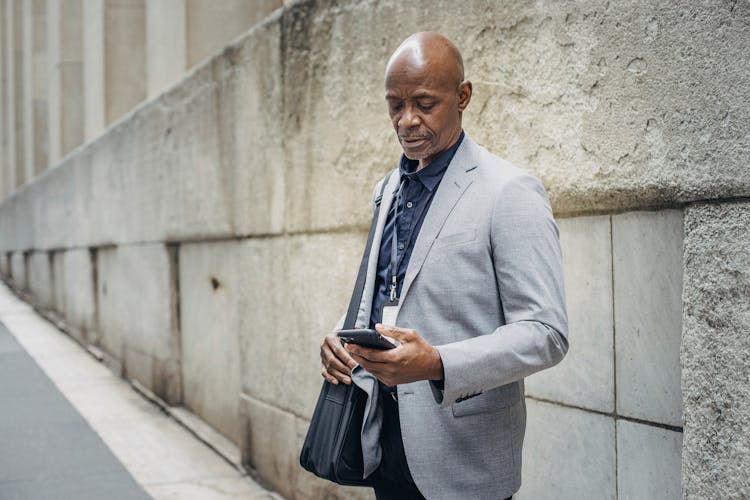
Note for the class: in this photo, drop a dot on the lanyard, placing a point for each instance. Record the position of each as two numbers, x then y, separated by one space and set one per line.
395 260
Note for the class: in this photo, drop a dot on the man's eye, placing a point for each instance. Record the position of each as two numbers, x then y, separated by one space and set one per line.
426 107
396 107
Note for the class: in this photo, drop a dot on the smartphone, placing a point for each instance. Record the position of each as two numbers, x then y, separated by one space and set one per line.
367 338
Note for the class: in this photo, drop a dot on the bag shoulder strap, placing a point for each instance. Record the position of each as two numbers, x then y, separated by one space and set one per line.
359 285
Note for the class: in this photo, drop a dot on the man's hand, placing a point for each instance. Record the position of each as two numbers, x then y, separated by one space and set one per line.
337 363
413 360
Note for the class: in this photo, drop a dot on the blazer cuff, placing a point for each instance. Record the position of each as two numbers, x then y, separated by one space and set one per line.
456 386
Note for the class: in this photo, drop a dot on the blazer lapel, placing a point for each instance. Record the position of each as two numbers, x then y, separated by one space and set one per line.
365 306
451 188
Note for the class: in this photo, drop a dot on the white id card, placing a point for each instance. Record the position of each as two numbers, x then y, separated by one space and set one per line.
389 315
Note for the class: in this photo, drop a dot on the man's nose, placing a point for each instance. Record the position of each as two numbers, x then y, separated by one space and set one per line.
408 118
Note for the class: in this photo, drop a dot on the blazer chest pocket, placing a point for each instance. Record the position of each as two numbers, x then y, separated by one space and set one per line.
454 238
488 401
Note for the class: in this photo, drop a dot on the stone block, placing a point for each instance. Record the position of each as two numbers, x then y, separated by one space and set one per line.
337 88
40 279
293 291
273 455
18 220
56 207
648 461
209 292
250 95
5 264
647 256
163 165
75 292
567 453
18 270
716 315
585 377
136 319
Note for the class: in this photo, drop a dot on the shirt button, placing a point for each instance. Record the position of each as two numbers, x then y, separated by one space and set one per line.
409 204
400 246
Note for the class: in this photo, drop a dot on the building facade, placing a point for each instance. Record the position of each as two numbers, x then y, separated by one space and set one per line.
199 223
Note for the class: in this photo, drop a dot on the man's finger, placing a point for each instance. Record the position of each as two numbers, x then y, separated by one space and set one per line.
330 378
372 355
342 354
335 364
400 334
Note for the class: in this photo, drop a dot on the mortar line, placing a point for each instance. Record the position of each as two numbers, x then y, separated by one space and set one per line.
614 341
612 415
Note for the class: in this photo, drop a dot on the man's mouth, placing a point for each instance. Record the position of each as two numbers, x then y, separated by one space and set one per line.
413 140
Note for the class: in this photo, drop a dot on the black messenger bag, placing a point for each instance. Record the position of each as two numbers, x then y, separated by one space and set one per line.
333 446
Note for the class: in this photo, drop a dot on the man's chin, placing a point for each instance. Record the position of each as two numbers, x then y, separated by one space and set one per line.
415 154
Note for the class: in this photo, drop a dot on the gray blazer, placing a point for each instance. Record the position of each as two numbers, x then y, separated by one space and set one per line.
484 285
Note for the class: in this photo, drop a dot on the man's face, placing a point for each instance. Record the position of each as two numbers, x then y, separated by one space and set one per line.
425 108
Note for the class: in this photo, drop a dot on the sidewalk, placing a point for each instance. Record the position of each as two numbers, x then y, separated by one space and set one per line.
71 429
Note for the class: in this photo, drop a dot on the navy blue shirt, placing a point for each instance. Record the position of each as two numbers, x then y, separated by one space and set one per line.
417 192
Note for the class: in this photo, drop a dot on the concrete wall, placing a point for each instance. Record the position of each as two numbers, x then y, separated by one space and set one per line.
223 220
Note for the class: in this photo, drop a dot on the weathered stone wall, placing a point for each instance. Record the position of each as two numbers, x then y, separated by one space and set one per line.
716 343
210 238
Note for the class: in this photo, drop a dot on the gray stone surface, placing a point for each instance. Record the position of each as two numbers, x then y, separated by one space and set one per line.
209 319
282 326
585 377
250 100
18 269
716 315
40 279
136 315
272 454
605 125
75 295
648 461
647 250
567 453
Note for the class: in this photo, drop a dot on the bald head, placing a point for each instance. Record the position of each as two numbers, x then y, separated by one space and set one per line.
429 51
426 94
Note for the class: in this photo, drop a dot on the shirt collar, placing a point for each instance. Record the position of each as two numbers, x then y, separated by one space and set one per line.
431 175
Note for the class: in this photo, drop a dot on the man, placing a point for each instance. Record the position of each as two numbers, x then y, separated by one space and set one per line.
471 288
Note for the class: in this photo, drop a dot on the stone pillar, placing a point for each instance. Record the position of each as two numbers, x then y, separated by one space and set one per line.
124 56
35 87
166 43
93 68
212 25
65 77
114 60
3 125
14 92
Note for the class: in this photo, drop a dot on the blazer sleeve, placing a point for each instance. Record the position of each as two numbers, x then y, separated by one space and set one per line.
527 262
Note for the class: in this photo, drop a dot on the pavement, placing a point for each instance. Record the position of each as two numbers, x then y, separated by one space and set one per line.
72 429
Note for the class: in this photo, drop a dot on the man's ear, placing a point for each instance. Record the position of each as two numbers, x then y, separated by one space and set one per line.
464 95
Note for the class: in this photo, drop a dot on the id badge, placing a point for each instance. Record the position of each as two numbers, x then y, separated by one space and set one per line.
389 312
